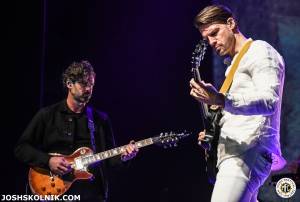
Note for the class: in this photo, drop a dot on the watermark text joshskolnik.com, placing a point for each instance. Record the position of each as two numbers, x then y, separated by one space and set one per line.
17 197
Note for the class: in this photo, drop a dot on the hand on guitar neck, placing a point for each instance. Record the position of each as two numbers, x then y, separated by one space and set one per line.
207 93
130 151
59 165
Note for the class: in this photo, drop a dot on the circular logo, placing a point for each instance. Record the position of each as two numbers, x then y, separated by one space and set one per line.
286 188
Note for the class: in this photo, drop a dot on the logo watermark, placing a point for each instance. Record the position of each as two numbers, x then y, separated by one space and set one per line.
286 188
16 197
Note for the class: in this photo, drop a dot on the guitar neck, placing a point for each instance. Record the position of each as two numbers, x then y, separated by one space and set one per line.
204 109
203 106
116 151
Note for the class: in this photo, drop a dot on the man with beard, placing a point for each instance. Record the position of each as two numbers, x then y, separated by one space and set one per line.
251 105
63 127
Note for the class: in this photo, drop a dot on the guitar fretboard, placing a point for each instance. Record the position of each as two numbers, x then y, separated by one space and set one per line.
87 160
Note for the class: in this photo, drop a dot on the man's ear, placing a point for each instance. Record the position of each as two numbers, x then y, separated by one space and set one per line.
231 23
69 84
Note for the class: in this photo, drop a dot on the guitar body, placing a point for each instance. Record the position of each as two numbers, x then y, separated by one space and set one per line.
43 182
212 129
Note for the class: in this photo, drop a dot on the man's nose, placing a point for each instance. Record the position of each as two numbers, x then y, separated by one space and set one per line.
212 41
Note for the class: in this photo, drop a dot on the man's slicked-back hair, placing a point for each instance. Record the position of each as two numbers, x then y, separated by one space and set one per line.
78 72
213 14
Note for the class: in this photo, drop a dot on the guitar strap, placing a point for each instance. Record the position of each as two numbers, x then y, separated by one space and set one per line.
91 126
227 83
229 78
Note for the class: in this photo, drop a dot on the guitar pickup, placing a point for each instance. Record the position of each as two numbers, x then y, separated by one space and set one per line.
78 164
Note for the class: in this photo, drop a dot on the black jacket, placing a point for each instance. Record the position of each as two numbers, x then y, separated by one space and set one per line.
56 129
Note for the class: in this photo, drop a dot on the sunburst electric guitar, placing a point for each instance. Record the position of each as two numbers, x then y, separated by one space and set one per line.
43 182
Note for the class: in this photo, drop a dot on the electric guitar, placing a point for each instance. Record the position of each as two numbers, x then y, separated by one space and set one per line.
43 182
210 118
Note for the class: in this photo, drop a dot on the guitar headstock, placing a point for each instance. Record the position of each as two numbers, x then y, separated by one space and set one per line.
169 139
198 54
197 57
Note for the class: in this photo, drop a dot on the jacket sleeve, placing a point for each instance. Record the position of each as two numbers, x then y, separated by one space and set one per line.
28 148
267 76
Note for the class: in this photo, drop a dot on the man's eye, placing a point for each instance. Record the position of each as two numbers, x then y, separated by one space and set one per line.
213 33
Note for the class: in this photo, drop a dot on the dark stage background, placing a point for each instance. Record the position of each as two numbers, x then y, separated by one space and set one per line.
141 52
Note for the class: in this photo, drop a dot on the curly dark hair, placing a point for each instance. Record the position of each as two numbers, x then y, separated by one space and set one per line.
78 72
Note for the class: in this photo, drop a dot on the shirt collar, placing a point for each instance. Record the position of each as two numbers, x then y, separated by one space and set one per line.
65 109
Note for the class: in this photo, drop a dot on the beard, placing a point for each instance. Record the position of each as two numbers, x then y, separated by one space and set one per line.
84 98
221 51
